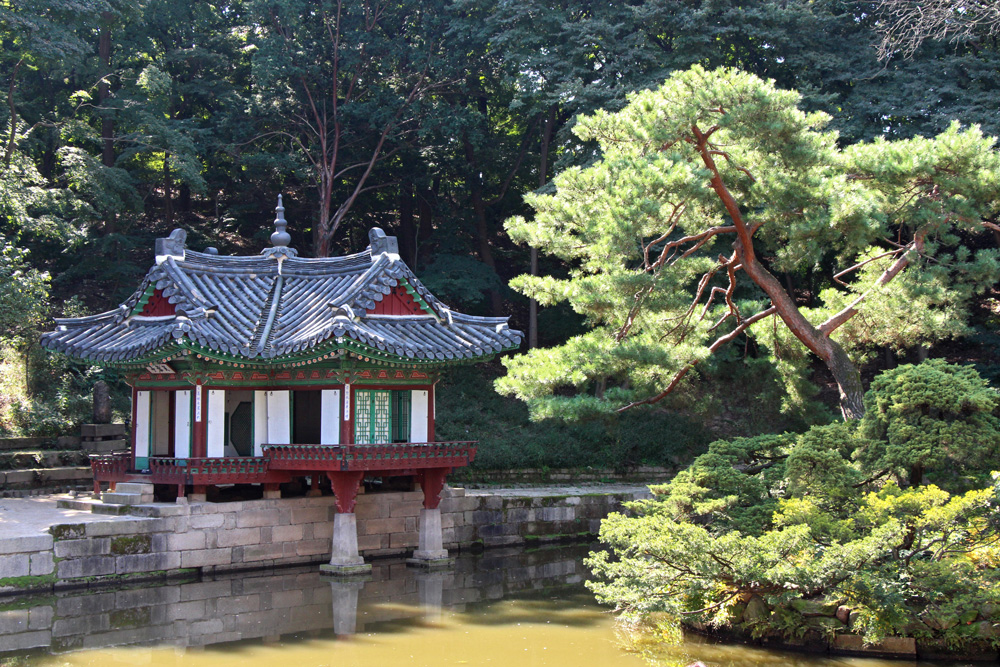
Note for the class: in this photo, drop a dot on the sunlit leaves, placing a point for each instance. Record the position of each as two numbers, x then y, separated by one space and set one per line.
755 525
810 204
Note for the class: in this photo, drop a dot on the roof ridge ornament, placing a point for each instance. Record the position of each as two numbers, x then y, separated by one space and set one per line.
381 244
171 246
280 239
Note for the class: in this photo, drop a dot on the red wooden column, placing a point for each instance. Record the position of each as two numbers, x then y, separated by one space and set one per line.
347 416
432 482
199 443
345 488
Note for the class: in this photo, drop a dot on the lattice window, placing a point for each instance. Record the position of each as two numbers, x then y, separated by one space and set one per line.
362 417
372 416
381 416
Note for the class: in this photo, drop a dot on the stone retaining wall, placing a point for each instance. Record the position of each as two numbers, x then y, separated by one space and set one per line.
639 474
268 605
41 442
213 537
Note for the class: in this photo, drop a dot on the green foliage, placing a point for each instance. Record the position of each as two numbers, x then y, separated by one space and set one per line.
936 417
468 408
24 295
646 230
759 531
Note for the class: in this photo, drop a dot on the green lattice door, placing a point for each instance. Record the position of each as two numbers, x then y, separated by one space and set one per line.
372 416
381 416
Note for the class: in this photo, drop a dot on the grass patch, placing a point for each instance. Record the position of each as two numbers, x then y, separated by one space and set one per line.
27 582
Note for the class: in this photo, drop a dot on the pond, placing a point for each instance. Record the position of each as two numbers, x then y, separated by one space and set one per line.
503 607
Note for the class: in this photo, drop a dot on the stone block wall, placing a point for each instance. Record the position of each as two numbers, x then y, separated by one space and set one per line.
216 537
639 474
268 605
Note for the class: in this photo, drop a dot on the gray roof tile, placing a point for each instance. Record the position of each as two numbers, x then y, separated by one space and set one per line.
223 303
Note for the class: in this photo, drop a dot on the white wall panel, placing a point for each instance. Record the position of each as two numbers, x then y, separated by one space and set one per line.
216 446
418 415
142 426
330 417
259 422
279 419
182 423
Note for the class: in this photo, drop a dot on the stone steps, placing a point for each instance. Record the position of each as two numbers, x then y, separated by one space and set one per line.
104 438
129 493
46 465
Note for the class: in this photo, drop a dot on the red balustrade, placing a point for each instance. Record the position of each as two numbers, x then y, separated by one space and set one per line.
204 471
395 456
110 467
279 460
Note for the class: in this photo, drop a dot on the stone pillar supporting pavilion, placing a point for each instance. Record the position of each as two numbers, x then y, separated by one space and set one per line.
345 559
430 550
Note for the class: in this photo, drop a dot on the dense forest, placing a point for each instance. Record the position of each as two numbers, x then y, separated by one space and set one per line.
431 119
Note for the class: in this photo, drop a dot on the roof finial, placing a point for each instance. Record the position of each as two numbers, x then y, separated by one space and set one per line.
280 237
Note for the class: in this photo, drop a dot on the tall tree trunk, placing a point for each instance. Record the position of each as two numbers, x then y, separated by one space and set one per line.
184 198
11 142
107 121
425 217
543 172
407 228
168 192
848 377
104 91
321 231
475 185
819 343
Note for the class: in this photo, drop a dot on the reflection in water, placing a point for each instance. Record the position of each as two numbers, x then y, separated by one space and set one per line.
502 608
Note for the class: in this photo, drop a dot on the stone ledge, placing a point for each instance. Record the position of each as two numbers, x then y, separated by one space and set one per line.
345 570
890 647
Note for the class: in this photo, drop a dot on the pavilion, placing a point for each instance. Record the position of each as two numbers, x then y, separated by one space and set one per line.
261 369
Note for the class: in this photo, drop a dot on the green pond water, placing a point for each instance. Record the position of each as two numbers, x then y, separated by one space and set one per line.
512 607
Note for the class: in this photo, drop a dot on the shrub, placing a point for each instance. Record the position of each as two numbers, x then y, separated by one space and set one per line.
759 533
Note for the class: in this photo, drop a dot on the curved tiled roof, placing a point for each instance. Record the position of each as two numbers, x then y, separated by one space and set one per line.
277 305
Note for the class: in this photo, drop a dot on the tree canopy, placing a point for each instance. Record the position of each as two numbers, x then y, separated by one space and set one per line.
120 121
703 192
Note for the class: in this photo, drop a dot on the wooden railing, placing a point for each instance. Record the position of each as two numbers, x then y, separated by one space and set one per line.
395 456
197 470
279 460
110 467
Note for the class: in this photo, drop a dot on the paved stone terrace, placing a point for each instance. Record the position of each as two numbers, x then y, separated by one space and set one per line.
30 517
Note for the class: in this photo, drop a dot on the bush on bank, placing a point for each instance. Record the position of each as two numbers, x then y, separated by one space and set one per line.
886 526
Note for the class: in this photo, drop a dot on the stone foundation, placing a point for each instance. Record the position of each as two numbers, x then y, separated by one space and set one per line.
200 537
267 605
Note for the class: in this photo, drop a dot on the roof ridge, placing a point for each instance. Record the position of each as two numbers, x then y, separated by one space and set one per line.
265 326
